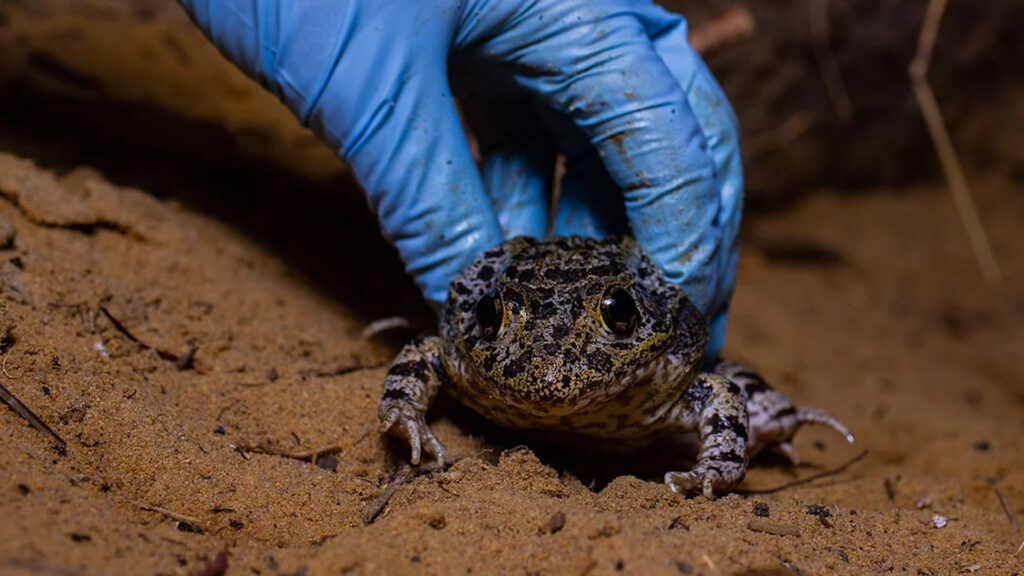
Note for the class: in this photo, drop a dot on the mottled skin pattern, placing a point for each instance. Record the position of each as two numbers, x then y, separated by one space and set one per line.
583 342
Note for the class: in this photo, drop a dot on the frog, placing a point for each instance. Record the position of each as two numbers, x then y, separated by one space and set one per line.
584 342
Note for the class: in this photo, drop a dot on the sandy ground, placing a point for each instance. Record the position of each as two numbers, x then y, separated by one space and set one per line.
198 343
869 306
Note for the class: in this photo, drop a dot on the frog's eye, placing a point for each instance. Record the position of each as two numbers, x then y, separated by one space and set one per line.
489 312
618 309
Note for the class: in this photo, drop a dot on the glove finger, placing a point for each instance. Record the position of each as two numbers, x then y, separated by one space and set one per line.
517 165
589 204
720 127
594 62
518 179
387 110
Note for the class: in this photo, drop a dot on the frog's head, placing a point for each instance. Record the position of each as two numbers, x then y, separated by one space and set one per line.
553 326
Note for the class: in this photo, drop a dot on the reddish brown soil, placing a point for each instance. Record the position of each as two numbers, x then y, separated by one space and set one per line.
868 305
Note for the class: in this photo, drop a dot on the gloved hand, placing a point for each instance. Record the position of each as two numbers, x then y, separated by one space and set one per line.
649 136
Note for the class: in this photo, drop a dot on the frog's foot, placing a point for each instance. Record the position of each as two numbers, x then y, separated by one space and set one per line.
714 407
773 417
403 420
706 479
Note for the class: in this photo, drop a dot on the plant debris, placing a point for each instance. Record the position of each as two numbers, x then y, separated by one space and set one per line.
36 422
403 474
1006 507
182 362
823 474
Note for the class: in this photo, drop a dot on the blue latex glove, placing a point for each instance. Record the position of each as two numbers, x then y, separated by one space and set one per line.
650 137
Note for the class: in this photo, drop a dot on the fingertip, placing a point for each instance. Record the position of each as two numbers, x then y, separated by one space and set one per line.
518 180
589 204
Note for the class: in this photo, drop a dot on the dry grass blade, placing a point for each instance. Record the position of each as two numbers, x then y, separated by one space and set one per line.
1006 507
170 513
734 25
35 421
401 477
944 145
403 474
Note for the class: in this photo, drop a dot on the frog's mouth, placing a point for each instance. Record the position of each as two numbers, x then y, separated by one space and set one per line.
548 389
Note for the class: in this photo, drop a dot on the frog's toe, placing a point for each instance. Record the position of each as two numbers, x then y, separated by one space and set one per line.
389 419
705 482
806 415
433 447
788 452
410 425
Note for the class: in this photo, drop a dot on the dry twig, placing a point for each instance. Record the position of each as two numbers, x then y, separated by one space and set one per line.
403 474
944 145
834 84
1006 507
811 478
780 138
735 25
304 455
170 514
181 361
36 422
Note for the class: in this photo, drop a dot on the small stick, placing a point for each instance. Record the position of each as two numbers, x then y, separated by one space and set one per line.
341 370
834 85
306 455
170 513
36 422
181 361
400 477
1006 507
890 488
1019 548
312 455
735 25
944 145
811 478
404 473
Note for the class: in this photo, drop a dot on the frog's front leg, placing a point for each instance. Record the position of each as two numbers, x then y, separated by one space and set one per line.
773 419
716 409
409 390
